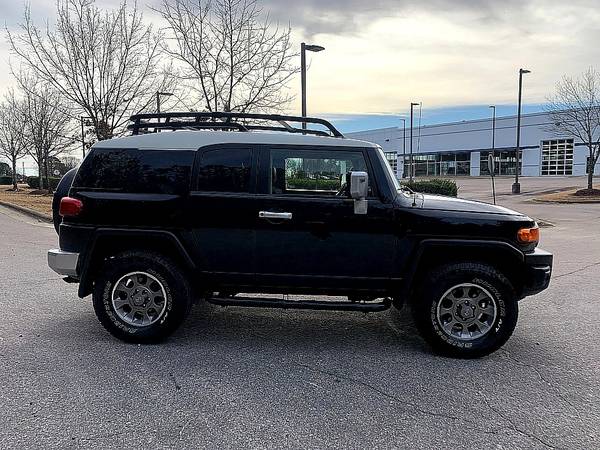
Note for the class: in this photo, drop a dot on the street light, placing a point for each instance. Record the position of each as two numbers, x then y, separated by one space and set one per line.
83 124
158 94
516 187
403 147
303 49
491 160
411 142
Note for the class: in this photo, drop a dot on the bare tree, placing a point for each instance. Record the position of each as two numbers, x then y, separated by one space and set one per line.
574 110
105 62
229 54
69 162
12 139
49 128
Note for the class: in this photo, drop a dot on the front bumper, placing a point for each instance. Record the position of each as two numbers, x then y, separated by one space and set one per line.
63 263
539 270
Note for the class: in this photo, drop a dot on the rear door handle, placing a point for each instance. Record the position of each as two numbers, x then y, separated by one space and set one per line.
275 215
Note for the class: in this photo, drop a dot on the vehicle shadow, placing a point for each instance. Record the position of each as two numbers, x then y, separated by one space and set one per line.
236 328
273 342
301 330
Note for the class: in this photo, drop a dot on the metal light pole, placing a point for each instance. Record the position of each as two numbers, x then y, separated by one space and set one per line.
516 187
158 94
83 118
303 49
403 147
410 159
492 161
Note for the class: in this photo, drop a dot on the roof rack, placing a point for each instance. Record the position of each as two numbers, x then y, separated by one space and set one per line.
229 121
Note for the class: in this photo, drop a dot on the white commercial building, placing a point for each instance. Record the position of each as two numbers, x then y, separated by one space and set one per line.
462 148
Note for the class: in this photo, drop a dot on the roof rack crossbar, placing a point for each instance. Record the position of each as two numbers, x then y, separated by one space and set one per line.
233 126
190 125
208 120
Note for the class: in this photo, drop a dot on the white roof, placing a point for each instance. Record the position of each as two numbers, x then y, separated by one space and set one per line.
186 139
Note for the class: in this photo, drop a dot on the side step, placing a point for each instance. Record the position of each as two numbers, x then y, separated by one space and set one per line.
258 302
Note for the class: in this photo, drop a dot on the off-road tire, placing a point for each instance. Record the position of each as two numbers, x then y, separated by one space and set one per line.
437 282
178 296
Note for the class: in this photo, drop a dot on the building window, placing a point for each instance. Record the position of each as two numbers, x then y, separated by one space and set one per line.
392 159
557 157
440 164
505 163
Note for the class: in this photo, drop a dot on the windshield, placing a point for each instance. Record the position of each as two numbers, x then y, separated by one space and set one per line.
389 172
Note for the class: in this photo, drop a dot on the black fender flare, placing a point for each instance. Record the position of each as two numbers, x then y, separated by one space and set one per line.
427 245
88 260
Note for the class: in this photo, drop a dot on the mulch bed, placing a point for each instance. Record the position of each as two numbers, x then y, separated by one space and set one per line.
38 200
587 193
571 196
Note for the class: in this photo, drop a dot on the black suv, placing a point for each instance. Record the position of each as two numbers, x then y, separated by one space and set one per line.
210 205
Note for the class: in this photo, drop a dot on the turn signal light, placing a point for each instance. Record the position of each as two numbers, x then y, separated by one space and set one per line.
70 207
529 235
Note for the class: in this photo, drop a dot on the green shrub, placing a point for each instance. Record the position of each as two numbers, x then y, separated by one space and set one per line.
313 184
5 180
34 182
439 186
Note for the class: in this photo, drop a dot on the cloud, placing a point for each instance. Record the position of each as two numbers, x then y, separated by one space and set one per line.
351 16
382 54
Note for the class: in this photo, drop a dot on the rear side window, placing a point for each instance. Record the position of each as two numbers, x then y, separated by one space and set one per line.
225 170
136 171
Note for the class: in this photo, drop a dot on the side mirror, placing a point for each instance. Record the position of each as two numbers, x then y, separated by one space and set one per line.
359 188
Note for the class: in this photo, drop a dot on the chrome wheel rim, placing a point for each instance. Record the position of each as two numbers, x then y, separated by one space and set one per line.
466 312
139 299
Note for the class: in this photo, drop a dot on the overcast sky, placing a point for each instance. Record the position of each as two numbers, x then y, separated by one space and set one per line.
455 56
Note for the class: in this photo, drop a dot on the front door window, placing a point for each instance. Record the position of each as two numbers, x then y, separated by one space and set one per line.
313 173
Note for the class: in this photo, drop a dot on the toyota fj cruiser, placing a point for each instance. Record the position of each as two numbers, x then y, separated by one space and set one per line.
230 203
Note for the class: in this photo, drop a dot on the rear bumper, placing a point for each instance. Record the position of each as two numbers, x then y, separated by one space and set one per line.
62 262
539 270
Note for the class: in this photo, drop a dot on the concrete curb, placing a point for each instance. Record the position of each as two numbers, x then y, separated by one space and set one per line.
30 212
566 202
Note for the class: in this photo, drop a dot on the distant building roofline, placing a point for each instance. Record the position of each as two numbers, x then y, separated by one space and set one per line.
458 122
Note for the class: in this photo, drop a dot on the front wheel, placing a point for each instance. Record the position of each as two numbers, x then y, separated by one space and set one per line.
141 297
466 310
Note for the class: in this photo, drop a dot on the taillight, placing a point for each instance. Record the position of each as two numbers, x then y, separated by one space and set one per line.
529 235
70 207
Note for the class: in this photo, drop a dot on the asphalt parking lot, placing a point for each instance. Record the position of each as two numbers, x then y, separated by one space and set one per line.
267 378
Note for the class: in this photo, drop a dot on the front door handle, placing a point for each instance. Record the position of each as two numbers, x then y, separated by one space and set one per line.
275 215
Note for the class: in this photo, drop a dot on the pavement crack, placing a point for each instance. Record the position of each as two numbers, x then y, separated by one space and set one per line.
512 425
175 383
386 394
543 379
581 269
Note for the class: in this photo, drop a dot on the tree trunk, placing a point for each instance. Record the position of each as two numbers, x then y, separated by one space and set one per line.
41 175
591 169
47 175
14 168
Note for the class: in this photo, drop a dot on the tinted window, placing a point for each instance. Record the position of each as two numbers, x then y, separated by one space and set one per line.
138 171
312 172
225 170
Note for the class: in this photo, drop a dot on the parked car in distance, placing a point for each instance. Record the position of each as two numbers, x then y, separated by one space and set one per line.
204 206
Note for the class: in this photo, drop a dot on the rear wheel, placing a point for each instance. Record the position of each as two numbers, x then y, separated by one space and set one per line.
466 310
141 297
